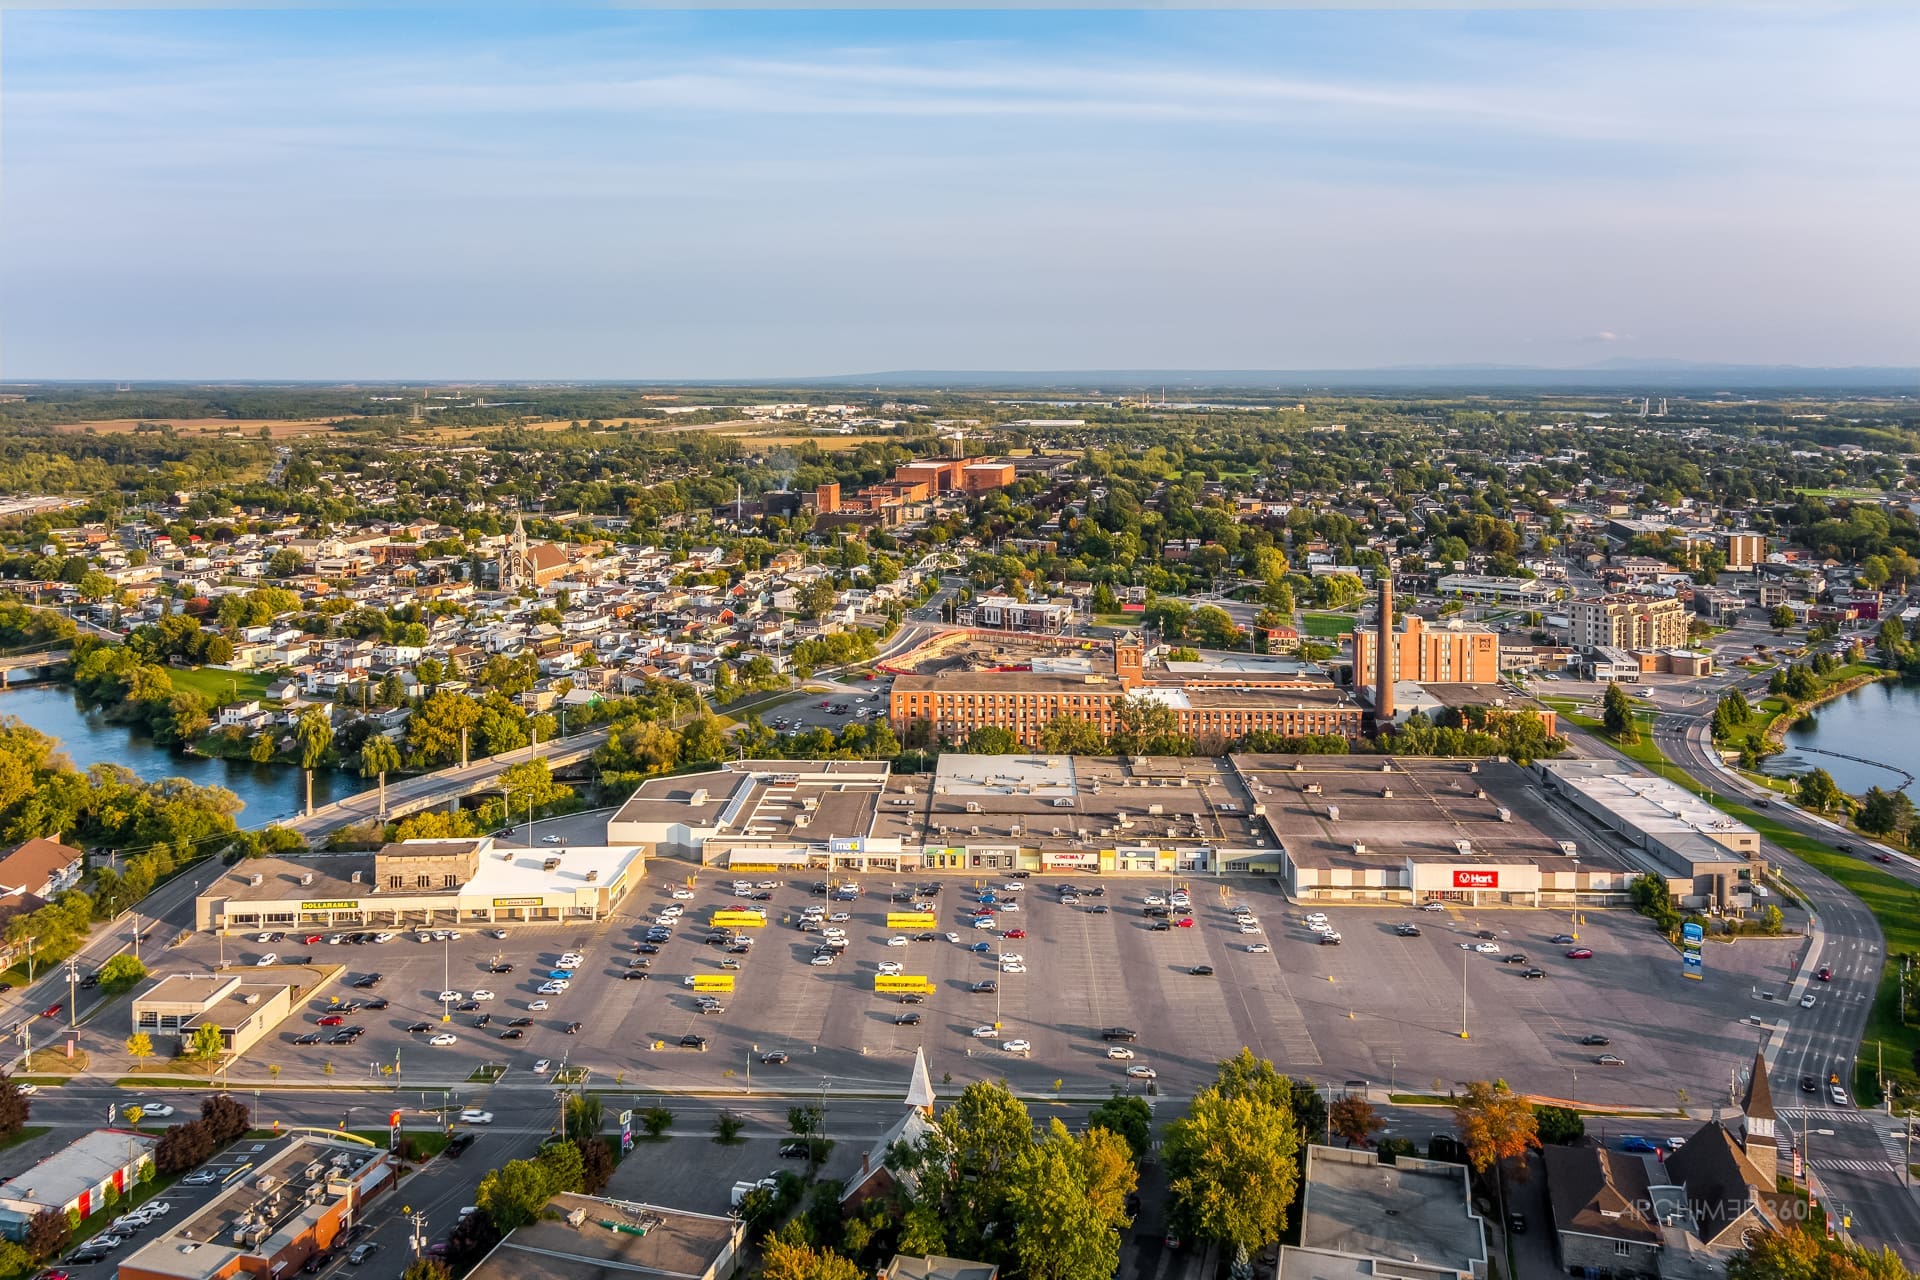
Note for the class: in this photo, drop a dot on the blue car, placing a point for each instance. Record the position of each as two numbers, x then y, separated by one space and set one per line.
981 947
561 973
1636 1143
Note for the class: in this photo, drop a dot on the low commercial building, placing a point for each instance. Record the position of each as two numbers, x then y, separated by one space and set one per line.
423 882
1409 1220
180 1004
765 815
589 1238
76 1178
299 1197
932 1267
1529 591
1710 861
1415 830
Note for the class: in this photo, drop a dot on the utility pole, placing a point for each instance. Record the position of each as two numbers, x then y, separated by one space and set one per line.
73 978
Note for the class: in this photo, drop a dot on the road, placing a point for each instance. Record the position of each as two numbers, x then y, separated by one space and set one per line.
1857 1162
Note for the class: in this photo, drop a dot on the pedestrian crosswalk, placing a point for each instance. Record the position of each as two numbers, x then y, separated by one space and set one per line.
1853 1166
1823 1115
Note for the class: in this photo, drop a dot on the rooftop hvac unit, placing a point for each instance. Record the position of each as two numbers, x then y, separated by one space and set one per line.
1465 847
1386 793
1569 848
267 1183
699 796
1506 815
1473 766
256 879
357 876
306 877
1299 766
1479 793
1056 831
1154 810
593 876
1312 789
1333 813
1359 846
1386 768
1015 829
973 831
802 820
973 806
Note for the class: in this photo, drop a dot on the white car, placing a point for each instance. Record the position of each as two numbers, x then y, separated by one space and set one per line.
1012 957
537 1006
1012 886
1433 906
1009 906
1251 929
450 997
684 895
821 962
688 981
984 922
831 932
484 994
1156 900
383 937
839 917
1806 1001
263 937
985 1033
1258 948
899 940
541 1067
1015 967
156 1209
1119 1052
1487 948
1018 1046
28 1090
160 1109
267 959
892 967
953 937
572 960
1143 1073
444 1038
549 839
553 987
474 1115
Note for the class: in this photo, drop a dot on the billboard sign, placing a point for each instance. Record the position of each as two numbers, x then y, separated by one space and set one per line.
739 920
626 1131
1691 964
1476 879
901 983
1692 934
911 919
713 982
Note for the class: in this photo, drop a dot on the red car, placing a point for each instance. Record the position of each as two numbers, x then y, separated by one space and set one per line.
1580 953
51 1011
1015 933
1184 922
312 938
1883 857
1825 975
333 1020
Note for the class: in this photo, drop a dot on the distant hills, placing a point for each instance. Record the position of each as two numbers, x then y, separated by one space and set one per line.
1622 375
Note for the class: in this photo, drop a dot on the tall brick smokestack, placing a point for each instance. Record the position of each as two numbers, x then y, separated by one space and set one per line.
1383 666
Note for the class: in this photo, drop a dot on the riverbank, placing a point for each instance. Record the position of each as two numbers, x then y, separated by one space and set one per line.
1775 732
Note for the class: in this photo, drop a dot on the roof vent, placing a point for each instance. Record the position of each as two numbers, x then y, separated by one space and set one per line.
256 879
357 877
306 877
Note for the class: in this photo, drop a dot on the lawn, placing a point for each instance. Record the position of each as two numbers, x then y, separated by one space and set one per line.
26 1134
221 687
1326 624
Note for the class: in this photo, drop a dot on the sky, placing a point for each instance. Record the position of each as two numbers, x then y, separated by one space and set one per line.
606 193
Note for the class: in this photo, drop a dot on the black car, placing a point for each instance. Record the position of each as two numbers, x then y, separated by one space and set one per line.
573 1028
906 1020
926 937
1533 973
421 1026
89 982
1809 1085
985 987
1407 930
634 975
818 888
312 1265
312 1037
795 1150
367 982
719 939
467 1006
777 1058
1486 935
1158 926
1517 957
1158 913
1201 971
694 1042
913 997
1098 909
512 1033
760 897
1595 1039
1563 940
375 1006
1127 1034
1516 1223
926 890
341 1038
484 1020
520 1022
500 968
461 1141
647 949
740 948
1096 891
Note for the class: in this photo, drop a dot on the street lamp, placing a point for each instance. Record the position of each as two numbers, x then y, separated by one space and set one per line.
1575 912
73 977
446 977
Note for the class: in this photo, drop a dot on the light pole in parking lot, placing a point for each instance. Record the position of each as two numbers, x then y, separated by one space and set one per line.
1466 959
446 977
1575 913
73 977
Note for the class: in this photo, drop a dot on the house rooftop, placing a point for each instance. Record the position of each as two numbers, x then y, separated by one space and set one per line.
588 1238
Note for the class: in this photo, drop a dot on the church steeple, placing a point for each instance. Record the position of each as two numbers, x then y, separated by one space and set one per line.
920 1089
1757 1135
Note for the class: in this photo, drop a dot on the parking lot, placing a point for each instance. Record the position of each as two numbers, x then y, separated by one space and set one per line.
1379 1006
833 710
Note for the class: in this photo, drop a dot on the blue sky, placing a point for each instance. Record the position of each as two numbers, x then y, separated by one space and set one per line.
639 193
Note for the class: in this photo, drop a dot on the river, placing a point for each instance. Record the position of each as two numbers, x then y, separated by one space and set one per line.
1878 722
271 792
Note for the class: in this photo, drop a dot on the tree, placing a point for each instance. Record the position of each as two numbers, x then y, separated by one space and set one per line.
1885 812
1803 1255
206 1044
16 1108
784 1258
284 564
596 1165
15 1262
1129 1116
121 973
47 1234
817 598
562 1166
514 1194
313 733
378 758
182 1147
1781 618
1065 1229
1232 1168
1617 715
1561 1126
702 740
1072 736
139 1046
428 1269
655 1121
727 1127
1354 1119
226 1118
1497 1125
584 1115
992 740
1817 790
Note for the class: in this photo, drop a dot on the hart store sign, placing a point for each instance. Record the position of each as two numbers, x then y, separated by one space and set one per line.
1476 879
